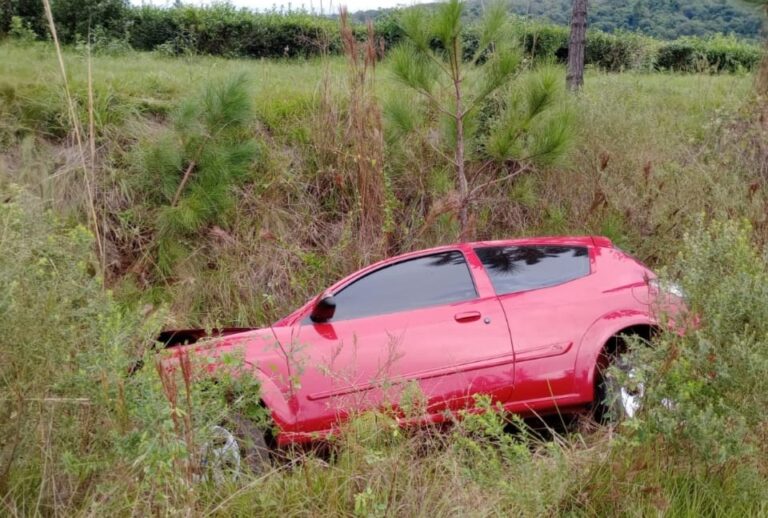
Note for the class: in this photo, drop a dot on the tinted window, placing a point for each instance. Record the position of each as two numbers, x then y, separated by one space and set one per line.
415 283
521 268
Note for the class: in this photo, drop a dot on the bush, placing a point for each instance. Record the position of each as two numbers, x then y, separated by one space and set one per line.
78 18
619 51
698 444
188 174
65 344
77 417
224 30
21 31
708 388
717 54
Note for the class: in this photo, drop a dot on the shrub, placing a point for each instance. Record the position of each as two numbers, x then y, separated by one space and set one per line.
224 30
543 41
21 31
619 51
707 388
80 17
65 344
77 416
698 444
717 54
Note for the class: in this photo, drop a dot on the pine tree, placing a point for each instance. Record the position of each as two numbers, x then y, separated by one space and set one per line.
455 77
194 167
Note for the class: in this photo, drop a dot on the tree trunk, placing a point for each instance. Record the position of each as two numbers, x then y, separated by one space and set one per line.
574 78
461 176
761 77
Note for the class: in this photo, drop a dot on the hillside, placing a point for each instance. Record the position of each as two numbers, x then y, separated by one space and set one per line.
663 19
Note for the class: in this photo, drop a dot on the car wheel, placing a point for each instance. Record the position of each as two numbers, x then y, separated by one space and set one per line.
619 394
236 446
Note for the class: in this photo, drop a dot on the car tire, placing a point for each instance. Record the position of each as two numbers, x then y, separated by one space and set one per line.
618 396
252 439
235 446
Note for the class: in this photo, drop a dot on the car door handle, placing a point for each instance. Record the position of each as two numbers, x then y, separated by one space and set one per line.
467 316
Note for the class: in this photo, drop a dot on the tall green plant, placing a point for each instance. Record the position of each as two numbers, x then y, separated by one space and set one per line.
456 79
193 169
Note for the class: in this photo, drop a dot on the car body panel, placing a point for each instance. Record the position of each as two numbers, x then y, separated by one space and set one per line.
532 351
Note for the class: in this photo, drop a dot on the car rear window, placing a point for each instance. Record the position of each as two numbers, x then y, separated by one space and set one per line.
521 268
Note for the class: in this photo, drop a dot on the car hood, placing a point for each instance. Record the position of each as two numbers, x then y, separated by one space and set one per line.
264 349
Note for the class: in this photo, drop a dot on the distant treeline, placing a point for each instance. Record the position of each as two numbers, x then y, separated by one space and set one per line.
224 30
663 19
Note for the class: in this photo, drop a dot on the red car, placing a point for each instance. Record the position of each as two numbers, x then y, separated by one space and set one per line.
528 322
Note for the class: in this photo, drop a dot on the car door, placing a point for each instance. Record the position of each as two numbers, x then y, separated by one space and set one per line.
417 330
548 295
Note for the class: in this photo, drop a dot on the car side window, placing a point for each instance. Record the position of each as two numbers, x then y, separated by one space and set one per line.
431 280
520 268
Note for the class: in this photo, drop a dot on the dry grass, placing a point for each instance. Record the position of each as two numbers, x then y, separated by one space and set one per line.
88 165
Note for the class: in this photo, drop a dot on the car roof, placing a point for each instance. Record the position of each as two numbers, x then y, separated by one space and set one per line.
537 240
540 240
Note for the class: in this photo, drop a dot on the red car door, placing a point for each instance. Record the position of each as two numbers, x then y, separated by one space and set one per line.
418 323
550 299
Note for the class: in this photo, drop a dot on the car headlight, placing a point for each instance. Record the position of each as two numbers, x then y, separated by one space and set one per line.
672 288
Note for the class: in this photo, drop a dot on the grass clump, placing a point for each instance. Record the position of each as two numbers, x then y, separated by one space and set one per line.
77 420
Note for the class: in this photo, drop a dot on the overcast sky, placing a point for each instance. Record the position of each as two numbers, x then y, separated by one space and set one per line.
327 5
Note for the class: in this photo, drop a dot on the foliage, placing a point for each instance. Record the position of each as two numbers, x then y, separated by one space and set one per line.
224 30
662 19
81 17
699 442
710 378
653 151
21 31
717 54
77 416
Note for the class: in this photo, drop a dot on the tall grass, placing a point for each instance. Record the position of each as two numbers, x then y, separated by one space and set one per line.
88 172
79 435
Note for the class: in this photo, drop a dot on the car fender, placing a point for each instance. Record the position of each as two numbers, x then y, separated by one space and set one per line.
595 338
283 408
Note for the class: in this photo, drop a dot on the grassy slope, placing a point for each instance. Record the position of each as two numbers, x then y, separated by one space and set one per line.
643 162
652 152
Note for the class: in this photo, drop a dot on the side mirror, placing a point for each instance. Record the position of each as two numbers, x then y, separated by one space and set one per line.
323 310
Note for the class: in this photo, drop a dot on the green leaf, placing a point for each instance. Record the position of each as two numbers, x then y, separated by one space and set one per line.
542 91
400 115
498 70
493 27
552 139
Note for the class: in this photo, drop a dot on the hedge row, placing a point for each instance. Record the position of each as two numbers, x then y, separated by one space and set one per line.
631 51
224 30
228 31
